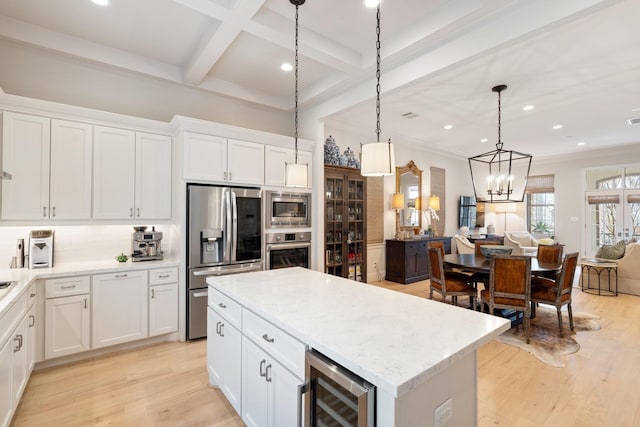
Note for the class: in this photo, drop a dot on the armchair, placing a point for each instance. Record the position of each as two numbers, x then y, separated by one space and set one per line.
522 242
463 245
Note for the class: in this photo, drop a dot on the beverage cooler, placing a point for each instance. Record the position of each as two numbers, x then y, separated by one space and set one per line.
335 396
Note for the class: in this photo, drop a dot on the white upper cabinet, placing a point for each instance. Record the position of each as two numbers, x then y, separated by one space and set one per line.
153 176
275 159
216 159
205 157
71 155
50 161
131 175
25 155
113 173
245 162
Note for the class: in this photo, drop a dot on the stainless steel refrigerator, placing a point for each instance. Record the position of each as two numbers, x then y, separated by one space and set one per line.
224 237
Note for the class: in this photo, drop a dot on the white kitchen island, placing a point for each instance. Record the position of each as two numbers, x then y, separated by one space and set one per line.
417 352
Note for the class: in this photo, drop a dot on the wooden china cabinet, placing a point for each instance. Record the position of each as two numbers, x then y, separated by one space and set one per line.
344 223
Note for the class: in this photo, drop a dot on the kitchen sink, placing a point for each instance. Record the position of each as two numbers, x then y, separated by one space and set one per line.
4 285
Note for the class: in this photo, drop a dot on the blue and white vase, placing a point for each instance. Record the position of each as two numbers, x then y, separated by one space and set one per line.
331 152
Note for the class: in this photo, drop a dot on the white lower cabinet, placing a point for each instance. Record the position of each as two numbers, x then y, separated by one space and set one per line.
163 309
269 390
20 369
67 316
224 364
119 308
6 359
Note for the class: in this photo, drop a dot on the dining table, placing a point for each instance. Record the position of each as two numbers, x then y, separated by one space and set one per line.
480 264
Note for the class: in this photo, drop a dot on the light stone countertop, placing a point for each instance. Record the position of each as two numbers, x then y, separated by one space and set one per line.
24 276
394 340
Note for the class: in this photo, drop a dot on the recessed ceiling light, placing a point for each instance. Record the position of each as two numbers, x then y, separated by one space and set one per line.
528 107
581 143
371 3
286 67
447 127
101 2
556 127
484 140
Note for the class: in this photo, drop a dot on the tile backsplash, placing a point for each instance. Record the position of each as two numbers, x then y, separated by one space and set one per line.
83 243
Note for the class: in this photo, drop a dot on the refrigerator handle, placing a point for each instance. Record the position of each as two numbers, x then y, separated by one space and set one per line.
234 229
228 235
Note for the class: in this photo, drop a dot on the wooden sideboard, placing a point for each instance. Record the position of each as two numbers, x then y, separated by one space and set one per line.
407 261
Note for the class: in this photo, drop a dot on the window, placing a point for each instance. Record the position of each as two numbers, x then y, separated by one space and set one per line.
541 205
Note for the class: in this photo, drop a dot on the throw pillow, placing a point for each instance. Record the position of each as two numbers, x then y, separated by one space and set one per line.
546 241
612 251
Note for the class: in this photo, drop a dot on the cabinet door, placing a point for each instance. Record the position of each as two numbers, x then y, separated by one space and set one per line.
163 309
20 363
255 407
113 173
245 162
224 357
71 157
283 396
204 157
25 155
67 325
119 311
30 341
6 357
153 176
274 164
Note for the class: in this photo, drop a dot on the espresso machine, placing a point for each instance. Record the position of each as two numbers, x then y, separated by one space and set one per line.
41 249
145 245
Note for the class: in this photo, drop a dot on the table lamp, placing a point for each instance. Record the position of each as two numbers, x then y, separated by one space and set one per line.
397 203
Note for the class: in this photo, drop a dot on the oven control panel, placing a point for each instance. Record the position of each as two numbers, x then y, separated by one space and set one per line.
304 236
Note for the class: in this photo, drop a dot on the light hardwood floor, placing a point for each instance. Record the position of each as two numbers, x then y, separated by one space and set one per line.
166 384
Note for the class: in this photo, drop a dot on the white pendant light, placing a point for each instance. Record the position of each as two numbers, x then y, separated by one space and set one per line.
296 174
378 158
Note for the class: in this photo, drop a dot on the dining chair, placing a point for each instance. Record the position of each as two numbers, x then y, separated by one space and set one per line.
479 243
448 283
551 254
556 291
439 244
509 286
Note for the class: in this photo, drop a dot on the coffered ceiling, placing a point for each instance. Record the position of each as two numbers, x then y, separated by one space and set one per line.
576 61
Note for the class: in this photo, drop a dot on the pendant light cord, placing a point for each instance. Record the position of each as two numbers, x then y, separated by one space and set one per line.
295 133
378 74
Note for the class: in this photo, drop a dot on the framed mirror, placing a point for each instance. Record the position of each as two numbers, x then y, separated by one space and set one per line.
409 183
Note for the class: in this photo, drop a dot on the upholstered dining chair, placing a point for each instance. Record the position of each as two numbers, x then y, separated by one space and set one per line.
448 283
479 243
556 292
463 245
550 254
509 286
439 244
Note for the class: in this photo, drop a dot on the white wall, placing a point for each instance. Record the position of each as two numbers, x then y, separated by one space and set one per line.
35 73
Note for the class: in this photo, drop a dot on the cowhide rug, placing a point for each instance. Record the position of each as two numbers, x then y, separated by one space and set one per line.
546 343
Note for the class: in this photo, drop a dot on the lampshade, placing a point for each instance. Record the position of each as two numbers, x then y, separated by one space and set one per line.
500 176
295 175
398 201
378 158
434 203
418 203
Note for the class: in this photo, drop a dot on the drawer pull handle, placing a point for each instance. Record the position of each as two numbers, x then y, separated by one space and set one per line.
163 276
68 287
85 303
222 329
121 275
218 328
267 373
153 293
32 294
32 320
267 338
262 364
221 305
18 346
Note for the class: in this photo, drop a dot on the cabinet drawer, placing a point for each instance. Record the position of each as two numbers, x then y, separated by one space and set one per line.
226 307
67 286
163 276
282 346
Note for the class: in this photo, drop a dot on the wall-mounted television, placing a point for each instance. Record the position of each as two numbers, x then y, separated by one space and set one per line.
470 213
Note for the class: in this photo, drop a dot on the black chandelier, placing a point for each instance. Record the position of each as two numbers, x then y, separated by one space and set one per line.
500 176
